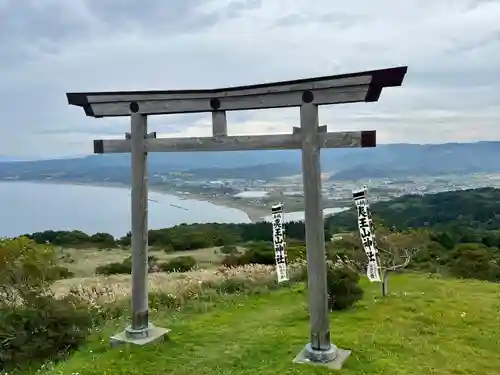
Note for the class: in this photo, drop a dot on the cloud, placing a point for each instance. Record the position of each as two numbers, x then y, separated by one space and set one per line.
51 47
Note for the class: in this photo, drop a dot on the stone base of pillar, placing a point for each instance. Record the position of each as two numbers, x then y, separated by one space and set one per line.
139 337
333 358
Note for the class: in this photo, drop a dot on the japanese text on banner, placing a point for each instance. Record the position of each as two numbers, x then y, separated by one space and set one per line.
365 226
279 243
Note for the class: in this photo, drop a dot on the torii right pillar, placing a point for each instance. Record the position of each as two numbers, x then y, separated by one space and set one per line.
319 350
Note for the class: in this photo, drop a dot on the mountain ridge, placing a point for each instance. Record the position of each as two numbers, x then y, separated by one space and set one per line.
384 161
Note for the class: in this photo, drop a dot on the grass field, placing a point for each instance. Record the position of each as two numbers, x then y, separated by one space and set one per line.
83 262
427 325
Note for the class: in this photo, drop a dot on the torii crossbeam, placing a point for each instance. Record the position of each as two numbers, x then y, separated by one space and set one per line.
307 94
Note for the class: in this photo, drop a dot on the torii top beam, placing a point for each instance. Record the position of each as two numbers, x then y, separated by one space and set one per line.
344 88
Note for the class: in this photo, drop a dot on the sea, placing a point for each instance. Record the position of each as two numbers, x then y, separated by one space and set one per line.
27 207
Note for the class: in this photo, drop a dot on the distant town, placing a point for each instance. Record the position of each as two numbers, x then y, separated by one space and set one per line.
336 194
256 192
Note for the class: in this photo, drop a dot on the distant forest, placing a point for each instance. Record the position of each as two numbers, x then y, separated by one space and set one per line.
472 209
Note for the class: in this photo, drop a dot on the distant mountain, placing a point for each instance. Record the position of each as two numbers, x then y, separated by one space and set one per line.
5 159
9 159
253 172
422 160
394 160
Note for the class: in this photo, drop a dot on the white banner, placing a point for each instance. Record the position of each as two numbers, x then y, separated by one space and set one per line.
279 242
366 232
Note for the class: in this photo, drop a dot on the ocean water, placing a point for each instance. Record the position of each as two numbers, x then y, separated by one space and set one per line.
27 207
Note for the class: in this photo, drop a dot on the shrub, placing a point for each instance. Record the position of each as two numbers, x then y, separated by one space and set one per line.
343 287
102 238
179 264
44 328
74 237
25 268
260 245
167 248
262 253
125 240
124 267
61 272
250 256
474 261
259 256
114 268
295 251
259 252
232 260
228 249
34 326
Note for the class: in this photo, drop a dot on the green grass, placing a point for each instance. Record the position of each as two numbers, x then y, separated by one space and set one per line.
427 326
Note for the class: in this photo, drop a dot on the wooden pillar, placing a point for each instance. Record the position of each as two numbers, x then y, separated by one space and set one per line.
315 238
139 224
219 124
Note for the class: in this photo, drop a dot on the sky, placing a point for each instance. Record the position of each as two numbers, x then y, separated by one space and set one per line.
49 47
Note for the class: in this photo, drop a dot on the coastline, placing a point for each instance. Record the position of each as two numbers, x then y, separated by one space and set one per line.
254 214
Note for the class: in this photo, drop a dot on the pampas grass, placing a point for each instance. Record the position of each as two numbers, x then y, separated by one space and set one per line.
103 290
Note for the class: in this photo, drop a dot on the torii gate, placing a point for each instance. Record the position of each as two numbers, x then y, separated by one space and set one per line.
307 94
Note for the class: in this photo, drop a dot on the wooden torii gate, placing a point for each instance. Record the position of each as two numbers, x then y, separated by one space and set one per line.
307 94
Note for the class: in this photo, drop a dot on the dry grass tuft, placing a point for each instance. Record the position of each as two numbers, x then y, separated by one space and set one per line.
103 290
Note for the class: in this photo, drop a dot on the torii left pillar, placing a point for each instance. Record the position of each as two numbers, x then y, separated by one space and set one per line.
141 331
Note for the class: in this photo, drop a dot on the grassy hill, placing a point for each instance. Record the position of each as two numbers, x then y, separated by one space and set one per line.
428 325
228 321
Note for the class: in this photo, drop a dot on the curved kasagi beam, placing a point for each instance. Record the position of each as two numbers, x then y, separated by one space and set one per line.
344 88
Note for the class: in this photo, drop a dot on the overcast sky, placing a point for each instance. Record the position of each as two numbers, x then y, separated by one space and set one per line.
49 47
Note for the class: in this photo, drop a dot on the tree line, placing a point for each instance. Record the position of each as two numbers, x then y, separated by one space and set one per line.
457 216
178 238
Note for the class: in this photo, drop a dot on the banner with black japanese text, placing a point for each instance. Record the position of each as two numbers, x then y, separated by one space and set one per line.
279 242
367 235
